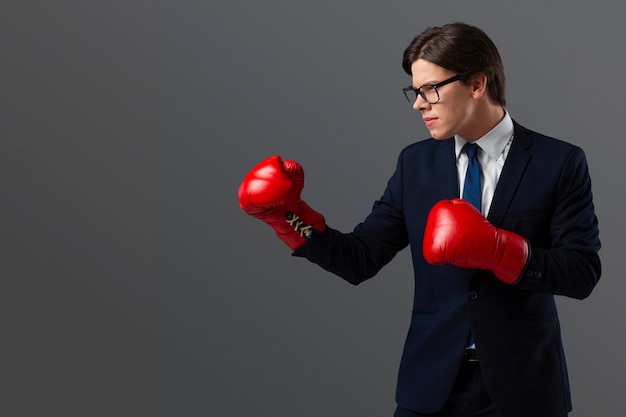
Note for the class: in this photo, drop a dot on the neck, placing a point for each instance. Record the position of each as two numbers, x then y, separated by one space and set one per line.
491 115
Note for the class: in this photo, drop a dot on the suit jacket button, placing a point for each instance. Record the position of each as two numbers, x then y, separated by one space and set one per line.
473 295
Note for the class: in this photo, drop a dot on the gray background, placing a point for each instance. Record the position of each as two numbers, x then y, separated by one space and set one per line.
131 282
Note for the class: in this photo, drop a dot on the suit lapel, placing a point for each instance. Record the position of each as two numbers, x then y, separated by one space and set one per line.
512 173
446 177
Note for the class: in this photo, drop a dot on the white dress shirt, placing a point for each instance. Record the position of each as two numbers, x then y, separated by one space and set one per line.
493 150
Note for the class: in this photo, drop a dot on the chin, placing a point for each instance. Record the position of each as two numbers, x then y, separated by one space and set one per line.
439 136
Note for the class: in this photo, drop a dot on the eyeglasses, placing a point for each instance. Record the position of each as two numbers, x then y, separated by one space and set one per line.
429 93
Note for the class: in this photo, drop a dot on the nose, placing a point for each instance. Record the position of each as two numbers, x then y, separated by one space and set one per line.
420 103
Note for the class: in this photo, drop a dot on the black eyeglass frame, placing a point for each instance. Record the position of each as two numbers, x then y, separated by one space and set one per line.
433 86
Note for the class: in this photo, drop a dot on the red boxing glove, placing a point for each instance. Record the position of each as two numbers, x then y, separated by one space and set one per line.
456 233
271 192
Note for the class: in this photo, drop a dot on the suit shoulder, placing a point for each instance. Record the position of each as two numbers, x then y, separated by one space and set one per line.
425 147
543 141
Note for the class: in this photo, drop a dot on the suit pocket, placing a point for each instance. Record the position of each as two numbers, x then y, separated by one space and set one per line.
536 318
532 224
524 213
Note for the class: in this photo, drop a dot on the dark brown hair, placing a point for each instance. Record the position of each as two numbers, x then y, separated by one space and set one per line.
461 48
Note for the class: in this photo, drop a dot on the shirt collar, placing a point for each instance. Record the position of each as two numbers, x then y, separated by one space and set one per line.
493 142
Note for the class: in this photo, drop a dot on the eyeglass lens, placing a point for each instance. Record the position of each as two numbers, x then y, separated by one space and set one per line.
429 93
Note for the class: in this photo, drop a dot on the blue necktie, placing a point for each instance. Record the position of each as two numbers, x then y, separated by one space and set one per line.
471 190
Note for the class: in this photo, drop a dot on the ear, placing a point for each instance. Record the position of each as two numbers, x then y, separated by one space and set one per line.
479 85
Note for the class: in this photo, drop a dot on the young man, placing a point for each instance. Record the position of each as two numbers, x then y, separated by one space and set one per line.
484 337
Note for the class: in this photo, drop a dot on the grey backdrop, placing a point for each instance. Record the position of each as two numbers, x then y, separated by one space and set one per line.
131 282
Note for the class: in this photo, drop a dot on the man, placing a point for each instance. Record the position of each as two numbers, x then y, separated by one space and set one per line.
484 337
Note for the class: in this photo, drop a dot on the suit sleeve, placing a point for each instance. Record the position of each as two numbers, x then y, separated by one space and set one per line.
359 255
570 265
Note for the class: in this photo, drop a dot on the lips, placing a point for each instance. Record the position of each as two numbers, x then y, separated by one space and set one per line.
429 121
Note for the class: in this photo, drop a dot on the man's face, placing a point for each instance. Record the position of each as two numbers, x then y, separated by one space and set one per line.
454 112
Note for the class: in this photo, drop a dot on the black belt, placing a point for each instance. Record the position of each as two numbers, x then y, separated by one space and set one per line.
470 355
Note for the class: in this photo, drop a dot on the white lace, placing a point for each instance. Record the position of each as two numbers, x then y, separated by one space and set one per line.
298 225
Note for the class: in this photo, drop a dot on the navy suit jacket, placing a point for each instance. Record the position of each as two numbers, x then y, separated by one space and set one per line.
544 194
